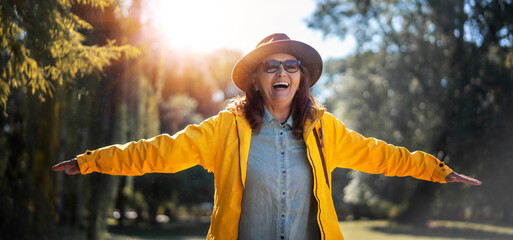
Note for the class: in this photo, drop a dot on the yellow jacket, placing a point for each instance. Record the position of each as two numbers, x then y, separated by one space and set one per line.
221 144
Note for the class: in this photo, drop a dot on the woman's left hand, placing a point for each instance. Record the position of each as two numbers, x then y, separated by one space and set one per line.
455 177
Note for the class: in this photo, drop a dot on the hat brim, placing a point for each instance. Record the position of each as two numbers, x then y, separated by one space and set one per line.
308 56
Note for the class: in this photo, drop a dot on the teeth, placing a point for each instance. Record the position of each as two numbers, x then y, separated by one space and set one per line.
281 84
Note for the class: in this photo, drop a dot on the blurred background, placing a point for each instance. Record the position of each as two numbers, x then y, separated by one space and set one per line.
424 74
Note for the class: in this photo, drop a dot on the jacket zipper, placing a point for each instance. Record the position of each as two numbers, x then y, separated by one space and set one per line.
319 147
323 235
238 138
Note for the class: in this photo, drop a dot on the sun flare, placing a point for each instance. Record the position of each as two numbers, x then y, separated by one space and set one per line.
190 25
206 25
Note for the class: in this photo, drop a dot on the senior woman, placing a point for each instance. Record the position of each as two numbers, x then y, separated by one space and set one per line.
272 152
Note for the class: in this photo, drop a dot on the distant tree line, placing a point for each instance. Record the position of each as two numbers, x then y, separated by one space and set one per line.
429 75
79 75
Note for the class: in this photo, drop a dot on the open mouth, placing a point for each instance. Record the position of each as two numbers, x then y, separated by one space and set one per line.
280 85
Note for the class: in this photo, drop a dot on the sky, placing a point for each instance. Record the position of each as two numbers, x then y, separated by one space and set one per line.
206 25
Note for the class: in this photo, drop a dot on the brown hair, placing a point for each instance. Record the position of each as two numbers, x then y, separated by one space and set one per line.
303 103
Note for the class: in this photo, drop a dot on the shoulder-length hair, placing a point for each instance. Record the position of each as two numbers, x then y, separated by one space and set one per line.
303 104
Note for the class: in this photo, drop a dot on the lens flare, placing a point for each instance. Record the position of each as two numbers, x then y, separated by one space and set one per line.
190 25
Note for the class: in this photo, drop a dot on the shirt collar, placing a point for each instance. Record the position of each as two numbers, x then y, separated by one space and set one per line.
269 117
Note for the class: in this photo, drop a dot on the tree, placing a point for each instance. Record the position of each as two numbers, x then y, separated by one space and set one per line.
45 98
443 66
42 47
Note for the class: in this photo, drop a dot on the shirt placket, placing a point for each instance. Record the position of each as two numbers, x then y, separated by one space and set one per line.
283 180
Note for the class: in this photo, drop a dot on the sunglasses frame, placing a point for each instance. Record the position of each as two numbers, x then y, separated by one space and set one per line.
282 63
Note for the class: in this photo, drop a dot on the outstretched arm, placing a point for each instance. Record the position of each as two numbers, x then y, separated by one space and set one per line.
195 145
354 151
70 167
455 177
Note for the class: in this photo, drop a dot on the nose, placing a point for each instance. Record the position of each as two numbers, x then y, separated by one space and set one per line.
281 71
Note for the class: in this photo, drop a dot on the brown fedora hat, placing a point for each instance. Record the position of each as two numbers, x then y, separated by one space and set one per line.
272 44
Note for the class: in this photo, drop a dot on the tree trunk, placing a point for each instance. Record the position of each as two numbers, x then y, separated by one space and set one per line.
104 188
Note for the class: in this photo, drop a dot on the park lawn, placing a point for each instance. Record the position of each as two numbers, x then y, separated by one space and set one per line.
355 230
437 230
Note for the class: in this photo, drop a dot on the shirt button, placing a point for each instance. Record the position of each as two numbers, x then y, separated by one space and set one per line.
282 153
281 133
282 215
283 171
283 193
282 237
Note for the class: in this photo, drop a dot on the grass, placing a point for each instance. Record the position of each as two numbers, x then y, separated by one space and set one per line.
437 230
352 230
171 231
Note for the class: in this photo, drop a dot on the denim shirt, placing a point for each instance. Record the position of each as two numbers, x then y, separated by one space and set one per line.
278 202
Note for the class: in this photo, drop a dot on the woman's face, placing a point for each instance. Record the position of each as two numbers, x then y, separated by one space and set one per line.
278 88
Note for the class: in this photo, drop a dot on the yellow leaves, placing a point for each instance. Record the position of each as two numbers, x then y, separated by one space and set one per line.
81 23
56 56
95 3
130 51
4 93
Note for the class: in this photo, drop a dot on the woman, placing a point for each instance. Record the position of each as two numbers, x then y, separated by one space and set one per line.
271 152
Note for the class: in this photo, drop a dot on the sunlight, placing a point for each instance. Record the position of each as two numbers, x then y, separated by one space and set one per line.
190 25
203 26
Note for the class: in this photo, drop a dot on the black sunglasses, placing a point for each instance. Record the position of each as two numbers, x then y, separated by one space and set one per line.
272 66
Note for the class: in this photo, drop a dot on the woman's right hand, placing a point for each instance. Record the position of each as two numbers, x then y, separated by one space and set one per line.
70 167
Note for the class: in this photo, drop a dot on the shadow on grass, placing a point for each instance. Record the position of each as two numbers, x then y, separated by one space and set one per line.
179 230
450 229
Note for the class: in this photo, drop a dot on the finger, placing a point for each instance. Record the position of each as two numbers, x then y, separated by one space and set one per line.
65 165
467 180
72 171
456 177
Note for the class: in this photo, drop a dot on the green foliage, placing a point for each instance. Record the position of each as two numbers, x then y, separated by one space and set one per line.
44 65
62 92
430 75
42 47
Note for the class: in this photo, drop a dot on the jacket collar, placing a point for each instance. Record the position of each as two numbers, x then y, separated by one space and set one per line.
309 124
317 112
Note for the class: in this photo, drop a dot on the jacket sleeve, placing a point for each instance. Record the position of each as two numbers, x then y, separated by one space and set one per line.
195 145
370 155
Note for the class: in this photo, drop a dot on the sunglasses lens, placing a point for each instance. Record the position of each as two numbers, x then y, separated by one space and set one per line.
291 66
271 66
